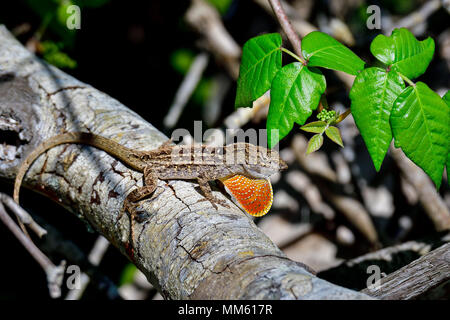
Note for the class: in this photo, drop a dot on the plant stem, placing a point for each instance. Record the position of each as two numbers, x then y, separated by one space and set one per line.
406 79
289 52
343 116
43 27
287 27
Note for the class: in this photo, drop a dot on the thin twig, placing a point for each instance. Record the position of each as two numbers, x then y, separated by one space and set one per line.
54 243
416 18
317 164
303 28
23 216
430 199
95 257
299 23
206 20
54 273
213 105
186 89
287 27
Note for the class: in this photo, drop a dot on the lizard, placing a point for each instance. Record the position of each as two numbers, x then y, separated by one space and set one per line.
230 164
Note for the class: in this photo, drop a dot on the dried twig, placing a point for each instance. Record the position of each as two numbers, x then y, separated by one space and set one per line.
23 216
186 89
54 273
213 105
303 184
355 212
430 199
317 164
205 19
95 257
282 232
54 243
139 288
417 17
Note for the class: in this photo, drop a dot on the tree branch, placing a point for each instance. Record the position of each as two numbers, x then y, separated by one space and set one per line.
419 278
185 247
389 260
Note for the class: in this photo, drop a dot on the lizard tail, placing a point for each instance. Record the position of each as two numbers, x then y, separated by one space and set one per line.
113 148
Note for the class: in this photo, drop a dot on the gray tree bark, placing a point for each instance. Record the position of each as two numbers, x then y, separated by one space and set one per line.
185 247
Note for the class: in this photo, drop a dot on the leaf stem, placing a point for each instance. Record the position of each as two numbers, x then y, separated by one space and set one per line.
405 78
289 52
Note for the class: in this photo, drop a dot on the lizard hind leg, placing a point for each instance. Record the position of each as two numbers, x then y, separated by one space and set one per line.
129 205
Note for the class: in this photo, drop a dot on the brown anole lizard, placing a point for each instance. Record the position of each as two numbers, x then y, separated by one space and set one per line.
185 162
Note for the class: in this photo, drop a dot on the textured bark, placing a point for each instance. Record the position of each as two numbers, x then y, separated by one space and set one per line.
428 276
185 247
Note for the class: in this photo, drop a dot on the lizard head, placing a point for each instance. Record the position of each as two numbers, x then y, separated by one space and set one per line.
269 162
261 162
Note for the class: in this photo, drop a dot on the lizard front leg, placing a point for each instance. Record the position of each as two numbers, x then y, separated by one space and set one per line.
207 192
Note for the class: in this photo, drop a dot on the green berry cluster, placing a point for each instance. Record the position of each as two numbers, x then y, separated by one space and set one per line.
326 115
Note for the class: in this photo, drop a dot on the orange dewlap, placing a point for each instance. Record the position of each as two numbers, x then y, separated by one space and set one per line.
254 195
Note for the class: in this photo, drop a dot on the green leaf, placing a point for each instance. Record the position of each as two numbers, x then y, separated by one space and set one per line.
315 127
221 5
295 93
61 12
403 52
261 60
446 98
181 60
372 97
48 12
322 50
334 134
52 53
127 275
314 143
420 124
